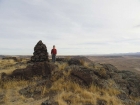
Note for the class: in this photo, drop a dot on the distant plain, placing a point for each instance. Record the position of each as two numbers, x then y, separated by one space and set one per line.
131 63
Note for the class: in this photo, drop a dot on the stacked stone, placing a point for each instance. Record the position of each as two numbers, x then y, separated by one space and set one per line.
40 53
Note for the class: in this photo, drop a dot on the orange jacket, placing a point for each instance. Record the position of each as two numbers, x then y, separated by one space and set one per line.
53 51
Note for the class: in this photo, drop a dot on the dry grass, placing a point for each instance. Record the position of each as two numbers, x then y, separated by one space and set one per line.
67 92
7 62
10 90
8 65
71 93
84 63
61 66
11 84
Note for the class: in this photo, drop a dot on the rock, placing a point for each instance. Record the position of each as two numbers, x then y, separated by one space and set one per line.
102 73
2 98
84 59
74 61
62 59
128 82
102 83
47 102
37 69
35 90
45 82
122 96
81 77
56 75
110 67
18 73
3 76
40 53
42 68
138 103
101 102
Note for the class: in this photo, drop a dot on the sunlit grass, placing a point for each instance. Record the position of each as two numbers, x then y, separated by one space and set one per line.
9 65
67 91
70 91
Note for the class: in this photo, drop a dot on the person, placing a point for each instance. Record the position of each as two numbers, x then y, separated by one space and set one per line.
53 52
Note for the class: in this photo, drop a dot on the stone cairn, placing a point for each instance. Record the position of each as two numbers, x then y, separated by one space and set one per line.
40 53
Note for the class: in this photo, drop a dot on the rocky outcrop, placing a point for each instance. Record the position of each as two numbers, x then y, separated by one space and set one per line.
74 61
104 76
126 81
101 102
81 77
62 59
35 90
37 69
48 102
40 53
129 82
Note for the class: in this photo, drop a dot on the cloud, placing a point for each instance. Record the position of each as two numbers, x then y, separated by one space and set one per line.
75 27
137 26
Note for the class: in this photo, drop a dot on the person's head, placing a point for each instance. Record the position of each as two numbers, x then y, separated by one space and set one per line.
53 46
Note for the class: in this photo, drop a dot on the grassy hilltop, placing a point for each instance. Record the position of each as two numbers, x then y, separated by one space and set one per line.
61 88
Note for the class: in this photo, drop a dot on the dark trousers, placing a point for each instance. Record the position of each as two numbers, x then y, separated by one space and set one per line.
53 57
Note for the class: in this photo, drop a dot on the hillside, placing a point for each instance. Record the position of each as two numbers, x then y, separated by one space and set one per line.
73 81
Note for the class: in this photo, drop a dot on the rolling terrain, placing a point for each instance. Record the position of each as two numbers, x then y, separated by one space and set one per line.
81 80
128 62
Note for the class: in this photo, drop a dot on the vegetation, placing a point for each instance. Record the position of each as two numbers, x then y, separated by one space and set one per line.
8 65
66 91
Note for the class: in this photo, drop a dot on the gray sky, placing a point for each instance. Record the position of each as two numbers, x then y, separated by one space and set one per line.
74 26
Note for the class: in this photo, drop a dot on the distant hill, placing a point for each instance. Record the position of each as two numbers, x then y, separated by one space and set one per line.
116 55
20 56
136 54
1 56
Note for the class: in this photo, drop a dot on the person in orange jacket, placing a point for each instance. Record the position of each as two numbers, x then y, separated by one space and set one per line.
54 52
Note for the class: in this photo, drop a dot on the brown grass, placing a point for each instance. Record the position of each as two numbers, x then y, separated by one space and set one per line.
61 66
67 92
86 64
70 92
77 95
8 65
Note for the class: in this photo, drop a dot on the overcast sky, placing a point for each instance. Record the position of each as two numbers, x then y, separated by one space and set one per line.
74 26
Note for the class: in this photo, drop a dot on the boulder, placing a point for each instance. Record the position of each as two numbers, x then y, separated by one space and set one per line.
40 53
37 69
128 82
74 61
101 102
81 77
102 73
48 102
138 103
62 59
